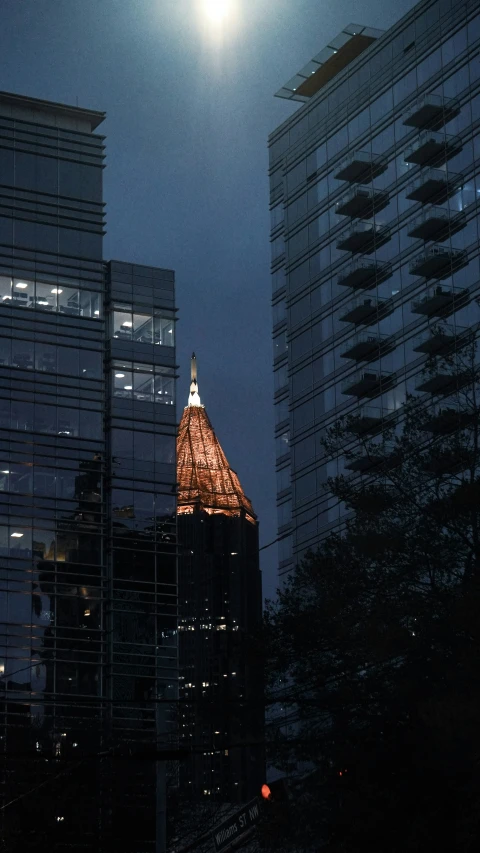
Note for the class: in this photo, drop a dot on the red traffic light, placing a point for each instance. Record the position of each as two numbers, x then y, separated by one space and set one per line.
276 791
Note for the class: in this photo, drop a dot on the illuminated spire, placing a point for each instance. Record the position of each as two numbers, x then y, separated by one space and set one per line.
205 479
194 398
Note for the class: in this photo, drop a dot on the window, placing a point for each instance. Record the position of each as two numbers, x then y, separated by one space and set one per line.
143 328
280 377
45 296
305 486
280 344
20 540
22 354
164 386
68 301
16 478
165 449
296 176
164 331
67 421
283 479
143 382
122 382
90 425
143 446
5 288
284 513
89 304
282 444
122 443
122 323
44 481
51 419
49 296
276 215
278 247
22 415
65 483
90 364
279 312
285 548
22 293
278 279
281 411
68 359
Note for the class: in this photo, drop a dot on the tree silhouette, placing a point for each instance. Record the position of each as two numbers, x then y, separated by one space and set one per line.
373 648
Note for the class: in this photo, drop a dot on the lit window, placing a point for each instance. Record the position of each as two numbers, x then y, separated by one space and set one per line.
144 382
143 328
49 296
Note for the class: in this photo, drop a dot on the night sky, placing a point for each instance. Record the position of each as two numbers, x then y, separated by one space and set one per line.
186 184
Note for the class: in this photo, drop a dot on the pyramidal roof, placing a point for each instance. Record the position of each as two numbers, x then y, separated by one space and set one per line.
205 478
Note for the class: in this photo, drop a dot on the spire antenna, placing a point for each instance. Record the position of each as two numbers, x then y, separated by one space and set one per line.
194 398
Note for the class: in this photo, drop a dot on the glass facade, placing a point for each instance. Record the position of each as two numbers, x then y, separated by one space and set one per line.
87 495
374 186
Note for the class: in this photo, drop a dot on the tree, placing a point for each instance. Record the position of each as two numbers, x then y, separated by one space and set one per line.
373 646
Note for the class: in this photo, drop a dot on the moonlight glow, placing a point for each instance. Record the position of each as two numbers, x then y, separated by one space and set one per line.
216 10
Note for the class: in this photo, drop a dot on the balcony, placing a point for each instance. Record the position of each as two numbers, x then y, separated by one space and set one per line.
362 464
432 111
361 167
450 460
443 380
367 419
374 498
433 185
438 262
433 148
361 202
367 383
363 237
436 224
382 455
444 418
366 347
366 310
363 274
438 339
440 301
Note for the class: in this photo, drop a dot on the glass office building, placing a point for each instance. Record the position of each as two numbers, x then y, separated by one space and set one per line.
87 492
374 186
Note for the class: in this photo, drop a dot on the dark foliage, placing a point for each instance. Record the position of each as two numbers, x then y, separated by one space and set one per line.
372 647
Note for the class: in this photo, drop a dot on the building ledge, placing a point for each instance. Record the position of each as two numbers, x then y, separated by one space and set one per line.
336 56
49 112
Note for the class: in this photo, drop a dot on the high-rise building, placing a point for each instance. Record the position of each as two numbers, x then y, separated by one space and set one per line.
374 187
87 489
220 610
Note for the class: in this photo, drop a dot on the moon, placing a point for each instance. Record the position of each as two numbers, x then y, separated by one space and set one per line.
216 10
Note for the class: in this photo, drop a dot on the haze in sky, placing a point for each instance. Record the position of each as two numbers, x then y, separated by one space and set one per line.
188 88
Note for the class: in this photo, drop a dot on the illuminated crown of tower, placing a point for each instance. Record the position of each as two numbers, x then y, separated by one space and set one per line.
206 481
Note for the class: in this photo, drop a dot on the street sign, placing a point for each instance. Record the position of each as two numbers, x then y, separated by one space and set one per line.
236 825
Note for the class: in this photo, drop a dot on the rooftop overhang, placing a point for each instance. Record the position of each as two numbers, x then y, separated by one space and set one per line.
336 56
48 112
